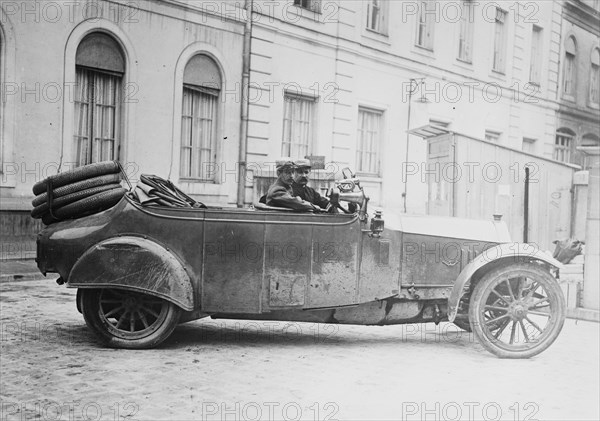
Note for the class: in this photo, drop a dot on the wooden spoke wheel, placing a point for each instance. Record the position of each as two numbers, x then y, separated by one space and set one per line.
128 319
517 311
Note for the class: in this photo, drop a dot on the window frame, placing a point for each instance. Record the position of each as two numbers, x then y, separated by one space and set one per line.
588 140
359 156
290 98
493 136
201 85
531 141
536 55
500 41
594 95
425 20
91 122
570 70
382 21
197 172
563 149
311 5
466 31
109 61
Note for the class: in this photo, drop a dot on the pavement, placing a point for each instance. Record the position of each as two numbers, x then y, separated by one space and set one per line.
27 270
53 368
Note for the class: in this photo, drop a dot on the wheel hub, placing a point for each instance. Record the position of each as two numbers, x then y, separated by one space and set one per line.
131 304
517 311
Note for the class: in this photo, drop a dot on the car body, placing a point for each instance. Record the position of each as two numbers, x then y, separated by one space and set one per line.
141 270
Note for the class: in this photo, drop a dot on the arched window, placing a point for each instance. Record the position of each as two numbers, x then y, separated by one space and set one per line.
100 66
570 68
199 117
563 144
595 77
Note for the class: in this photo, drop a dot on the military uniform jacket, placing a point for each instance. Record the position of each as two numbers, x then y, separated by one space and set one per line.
280 194
310 195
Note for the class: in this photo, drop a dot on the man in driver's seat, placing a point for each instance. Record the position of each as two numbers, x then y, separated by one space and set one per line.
300 185
281 194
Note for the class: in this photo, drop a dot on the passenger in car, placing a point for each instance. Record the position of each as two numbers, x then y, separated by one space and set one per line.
300 184
281 194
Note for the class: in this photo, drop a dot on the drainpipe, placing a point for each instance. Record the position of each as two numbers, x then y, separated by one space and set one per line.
526 208
453 146
410 94
242 164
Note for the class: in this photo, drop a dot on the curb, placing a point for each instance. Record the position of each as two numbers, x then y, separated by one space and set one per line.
22 277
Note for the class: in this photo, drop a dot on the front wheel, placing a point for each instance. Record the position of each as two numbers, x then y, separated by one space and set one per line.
517 311
128 319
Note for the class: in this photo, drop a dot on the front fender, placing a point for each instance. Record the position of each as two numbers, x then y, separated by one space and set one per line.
136 264
508 252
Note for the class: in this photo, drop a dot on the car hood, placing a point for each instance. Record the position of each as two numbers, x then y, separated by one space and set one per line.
449 227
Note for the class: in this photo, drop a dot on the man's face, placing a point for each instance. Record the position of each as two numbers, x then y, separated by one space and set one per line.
287 175
301 176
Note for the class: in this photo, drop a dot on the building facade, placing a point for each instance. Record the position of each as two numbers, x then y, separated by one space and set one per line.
151 83
578 122
343 79
161 86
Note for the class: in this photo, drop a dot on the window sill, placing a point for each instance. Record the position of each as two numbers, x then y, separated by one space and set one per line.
593 106
464 65
377 33
422 47
316 12
196 181
567 97
376 36
312 15
423 51
498 75
369 177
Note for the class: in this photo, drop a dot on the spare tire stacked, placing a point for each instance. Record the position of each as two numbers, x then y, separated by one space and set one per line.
80 192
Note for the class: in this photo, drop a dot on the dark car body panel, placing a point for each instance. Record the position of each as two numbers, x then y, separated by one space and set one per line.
272 265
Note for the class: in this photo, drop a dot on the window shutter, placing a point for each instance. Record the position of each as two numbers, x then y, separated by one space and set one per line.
100 51
202 71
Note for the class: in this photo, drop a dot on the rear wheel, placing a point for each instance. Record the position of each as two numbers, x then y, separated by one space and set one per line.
127 319
517 311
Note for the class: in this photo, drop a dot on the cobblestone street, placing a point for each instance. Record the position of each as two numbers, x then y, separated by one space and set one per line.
52 368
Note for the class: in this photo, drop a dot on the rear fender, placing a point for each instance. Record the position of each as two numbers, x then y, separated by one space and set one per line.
501 254
136 264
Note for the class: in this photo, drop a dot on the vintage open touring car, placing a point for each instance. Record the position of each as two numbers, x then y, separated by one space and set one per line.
147 259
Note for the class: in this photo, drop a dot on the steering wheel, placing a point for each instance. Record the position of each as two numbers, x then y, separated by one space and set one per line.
334 202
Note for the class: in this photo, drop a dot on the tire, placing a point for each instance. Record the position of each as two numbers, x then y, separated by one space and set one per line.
42 209
88 206
127 319
92 204
512 297
80 173
75 187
